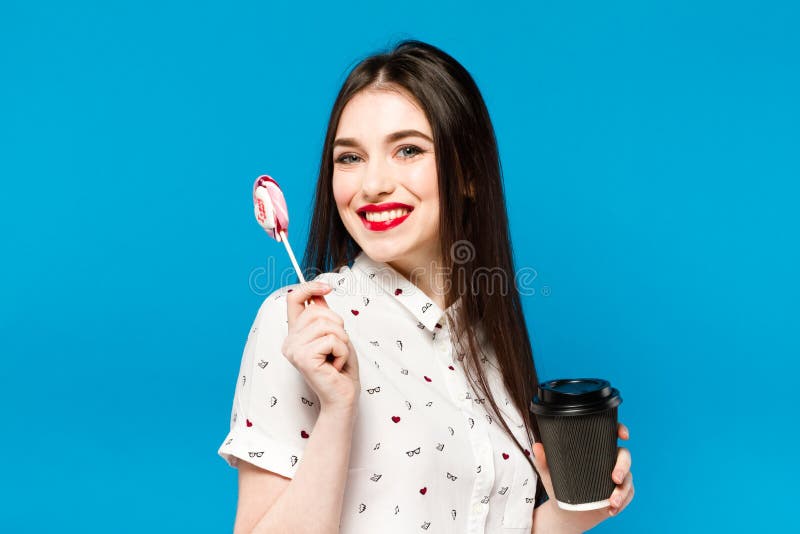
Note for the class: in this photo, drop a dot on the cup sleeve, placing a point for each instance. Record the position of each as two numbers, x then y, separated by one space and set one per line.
274 410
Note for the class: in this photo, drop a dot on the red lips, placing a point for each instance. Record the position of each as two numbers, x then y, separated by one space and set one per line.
379 226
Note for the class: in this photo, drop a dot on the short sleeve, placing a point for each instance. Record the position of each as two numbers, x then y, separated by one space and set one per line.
274 410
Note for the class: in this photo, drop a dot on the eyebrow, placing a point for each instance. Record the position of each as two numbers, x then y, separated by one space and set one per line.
392 137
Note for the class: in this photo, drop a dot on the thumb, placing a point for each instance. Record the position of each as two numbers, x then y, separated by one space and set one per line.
540 462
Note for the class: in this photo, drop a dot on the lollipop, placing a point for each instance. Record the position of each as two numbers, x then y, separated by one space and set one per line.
270 207
273 215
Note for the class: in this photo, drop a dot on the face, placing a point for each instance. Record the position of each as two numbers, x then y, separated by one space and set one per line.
384 161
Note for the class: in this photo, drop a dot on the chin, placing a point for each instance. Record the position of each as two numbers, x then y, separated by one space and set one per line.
381 255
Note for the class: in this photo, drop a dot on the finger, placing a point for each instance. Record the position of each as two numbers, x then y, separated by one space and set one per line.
622 431
621 496
330 344
312 313
319 328
295 301
623 465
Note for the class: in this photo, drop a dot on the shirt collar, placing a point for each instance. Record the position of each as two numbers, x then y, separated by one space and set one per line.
394 284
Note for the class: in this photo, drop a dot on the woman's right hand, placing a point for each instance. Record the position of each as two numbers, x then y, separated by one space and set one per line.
315 332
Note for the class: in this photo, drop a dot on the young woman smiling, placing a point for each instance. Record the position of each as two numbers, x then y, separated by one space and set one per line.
419 420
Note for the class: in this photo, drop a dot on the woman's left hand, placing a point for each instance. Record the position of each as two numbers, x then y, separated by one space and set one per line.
619 499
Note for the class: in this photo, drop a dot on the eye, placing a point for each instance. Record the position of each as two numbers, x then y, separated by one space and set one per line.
414 150
343 158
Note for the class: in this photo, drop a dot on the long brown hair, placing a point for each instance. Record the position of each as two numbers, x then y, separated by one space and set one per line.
468 168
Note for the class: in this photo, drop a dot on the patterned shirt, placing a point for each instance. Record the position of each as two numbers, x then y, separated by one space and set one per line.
426 454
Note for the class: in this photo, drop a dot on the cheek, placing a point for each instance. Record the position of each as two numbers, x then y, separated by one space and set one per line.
424 183
343 192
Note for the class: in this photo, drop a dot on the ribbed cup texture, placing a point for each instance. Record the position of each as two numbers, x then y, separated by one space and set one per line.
581 453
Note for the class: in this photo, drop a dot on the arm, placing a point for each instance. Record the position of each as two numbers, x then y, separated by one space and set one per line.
547 520
320 479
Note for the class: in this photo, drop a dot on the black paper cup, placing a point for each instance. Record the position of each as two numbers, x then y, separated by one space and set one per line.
577 420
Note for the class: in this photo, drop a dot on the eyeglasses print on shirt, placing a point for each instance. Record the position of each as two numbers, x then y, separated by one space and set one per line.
413 452
256 454
450 476
374 390
306 401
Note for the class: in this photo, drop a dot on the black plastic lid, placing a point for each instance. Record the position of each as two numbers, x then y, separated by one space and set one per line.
574 396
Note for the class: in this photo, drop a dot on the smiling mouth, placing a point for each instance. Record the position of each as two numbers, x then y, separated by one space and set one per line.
384 216
379 221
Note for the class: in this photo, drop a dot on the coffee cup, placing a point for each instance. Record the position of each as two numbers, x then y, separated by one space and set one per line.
577 420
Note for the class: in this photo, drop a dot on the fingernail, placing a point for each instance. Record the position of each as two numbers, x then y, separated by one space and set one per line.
618 476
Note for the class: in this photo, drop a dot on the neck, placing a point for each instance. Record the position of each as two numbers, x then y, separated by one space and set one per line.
428 276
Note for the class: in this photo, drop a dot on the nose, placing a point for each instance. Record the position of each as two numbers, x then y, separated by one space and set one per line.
377 180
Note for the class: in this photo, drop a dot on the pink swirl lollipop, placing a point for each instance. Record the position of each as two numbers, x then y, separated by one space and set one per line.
273 215
270 207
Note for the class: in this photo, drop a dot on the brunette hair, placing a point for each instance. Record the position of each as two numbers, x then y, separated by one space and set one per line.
468 167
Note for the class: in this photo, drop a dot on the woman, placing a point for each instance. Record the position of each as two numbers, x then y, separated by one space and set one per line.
398 401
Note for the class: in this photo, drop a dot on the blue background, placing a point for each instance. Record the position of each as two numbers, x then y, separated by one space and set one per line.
650 153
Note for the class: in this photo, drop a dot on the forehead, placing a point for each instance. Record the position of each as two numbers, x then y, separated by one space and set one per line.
378 112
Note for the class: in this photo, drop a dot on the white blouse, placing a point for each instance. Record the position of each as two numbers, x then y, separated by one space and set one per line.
426 455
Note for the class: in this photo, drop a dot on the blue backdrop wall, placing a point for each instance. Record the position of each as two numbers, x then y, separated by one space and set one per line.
650 159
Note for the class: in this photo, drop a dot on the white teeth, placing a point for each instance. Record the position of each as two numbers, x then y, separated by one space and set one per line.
385 215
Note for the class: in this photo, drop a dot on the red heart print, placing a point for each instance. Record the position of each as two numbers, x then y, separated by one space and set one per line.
354 312
304 434
249 423
438 325
398 291
451 367
505 456
396 419
527 452
424 490
290 290
427 379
